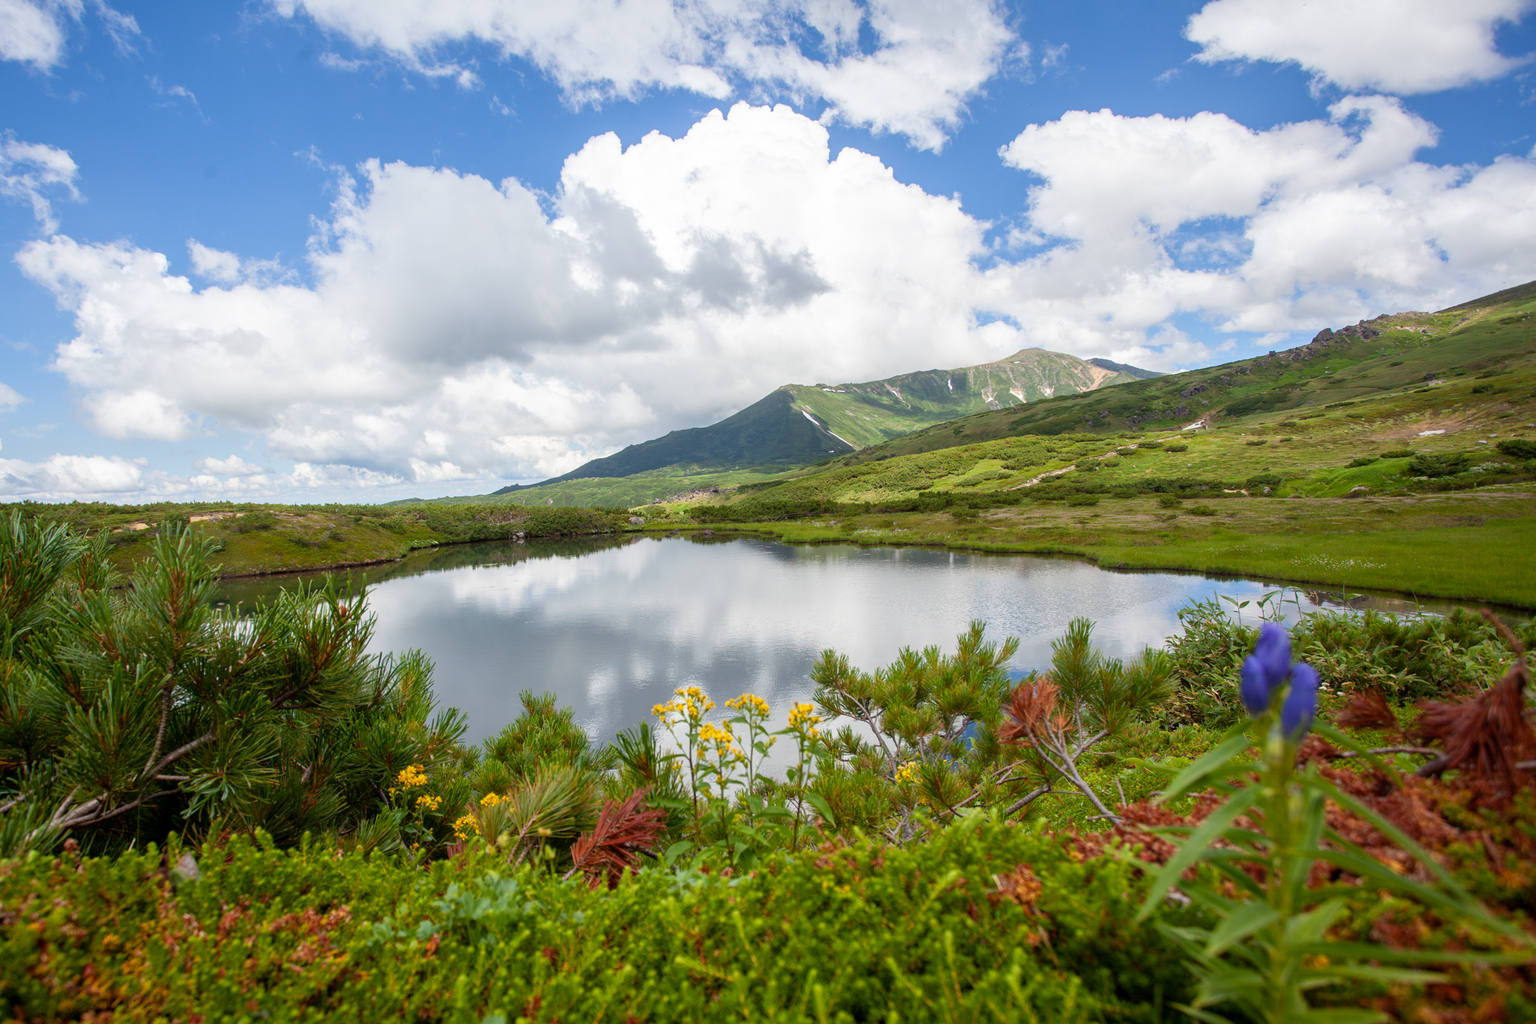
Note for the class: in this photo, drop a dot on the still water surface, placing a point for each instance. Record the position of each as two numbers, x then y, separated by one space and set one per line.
612 628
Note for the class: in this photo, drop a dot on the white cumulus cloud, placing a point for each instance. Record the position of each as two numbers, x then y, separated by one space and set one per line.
928 59
35 33
232 466
32 172
455 330
10 398
65 477
213 264
1397 46
30 33
1138 219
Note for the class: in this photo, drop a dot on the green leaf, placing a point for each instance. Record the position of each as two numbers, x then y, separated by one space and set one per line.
1313 925
1386 975
676 850
823 808
1195 845
1370 951
1198 1014
1197 773
1337 1016
1344 741
1241 923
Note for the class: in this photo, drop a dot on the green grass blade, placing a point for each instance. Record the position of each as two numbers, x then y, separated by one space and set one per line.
1196 844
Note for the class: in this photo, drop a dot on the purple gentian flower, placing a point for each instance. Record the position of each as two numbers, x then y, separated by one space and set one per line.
1254 686
1273 652
1300 705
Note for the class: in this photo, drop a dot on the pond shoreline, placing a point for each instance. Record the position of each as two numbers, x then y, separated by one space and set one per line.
1317 589
1311 587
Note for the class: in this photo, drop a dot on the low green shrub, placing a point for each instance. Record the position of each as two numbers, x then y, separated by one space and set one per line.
1399 453
1176 448
1435 465
250 522
1517 448
984 921
1364 460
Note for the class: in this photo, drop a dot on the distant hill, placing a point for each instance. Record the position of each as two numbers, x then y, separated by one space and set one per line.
1134 371
799 424
1337 368
770 432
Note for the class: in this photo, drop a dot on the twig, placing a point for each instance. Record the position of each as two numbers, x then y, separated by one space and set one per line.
1429 751
1027 799
184 749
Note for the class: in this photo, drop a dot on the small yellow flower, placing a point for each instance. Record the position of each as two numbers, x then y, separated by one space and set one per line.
490 800
749 702
709 732
803 715
907 773
466 826
411 777
428 803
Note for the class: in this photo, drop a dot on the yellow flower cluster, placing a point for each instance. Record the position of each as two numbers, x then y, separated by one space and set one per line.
410 778
466 827
803 716
428 803
749 702
724 742
907 772
691 703
720 736
490 800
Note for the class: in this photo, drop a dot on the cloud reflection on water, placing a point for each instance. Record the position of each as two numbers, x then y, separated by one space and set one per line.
614 631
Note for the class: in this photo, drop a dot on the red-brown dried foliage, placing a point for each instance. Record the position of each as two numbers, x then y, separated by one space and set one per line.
1031 709
623 834
1485 736
1367 709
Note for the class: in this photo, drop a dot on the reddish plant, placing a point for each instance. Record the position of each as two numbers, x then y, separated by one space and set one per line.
623 834
1486 737
1031 708
1367 709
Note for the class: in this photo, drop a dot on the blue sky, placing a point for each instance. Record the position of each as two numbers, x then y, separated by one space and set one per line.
363 249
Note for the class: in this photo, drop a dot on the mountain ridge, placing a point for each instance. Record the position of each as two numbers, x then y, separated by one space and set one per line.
800 424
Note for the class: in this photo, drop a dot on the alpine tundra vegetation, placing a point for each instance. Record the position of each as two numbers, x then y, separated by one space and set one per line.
209 815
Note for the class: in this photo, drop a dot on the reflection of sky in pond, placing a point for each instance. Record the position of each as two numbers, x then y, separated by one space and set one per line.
613 632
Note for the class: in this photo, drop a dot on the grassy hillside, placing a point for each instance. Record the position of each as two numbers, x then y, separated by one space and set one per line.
772 432
255 539
875 411
802 424
1403 461
1390 355
620 492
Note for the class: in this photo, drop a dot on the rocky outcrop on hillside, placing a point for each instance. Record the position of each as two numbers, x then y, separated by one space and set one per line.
1364 330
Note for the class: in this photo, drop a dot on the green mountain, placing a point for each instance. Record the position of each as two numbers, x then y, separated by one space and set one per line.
774 431
1408 403
1393 353
876 411
805 423
1402 358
